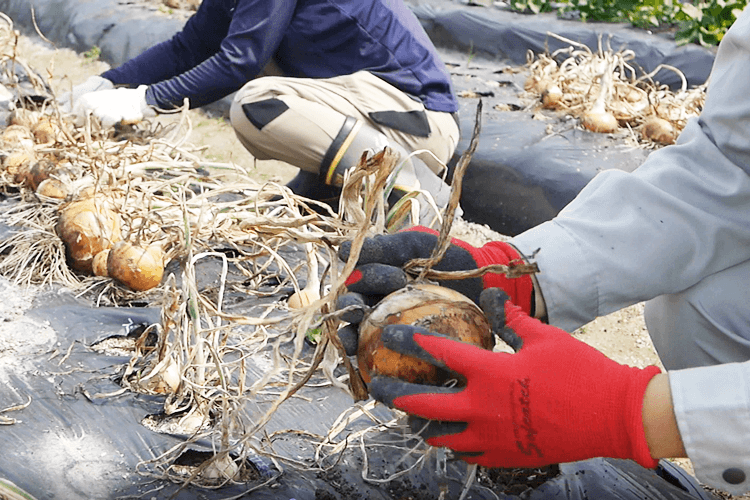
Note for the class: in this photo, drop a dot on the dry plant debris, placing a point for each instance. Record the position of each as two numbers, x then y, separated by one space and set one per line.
141 191
607 93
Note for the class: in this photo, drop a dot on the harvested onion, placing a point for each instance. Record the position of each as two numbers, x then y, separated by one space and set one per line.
53 188
438 309
44 131
551 97
602 122
18 163
17 135
598 118
658 130
87 226
40 171
99 264
136 267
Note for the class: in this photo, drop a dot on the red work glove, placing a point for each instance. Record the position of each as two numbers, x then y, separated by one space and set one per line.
379 269
554 400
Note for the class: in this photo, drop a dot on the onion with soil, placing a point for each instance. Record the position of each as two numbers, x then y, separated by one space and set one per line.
438 309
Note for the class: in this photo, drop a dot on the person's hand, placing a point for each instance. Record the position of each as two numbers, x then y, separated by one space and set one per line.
555 400
92 84
114 106
379 272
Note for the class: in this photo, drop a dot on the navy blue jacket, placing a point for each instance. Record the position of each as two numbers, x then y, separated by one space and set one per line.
226 43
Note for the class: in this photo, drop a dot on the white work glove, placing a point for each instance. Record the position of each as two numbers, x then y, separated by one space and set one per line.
92 84
113 106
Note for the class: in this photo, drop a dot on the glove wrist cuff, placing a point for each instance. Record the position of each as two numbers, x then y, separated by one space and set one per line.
520 290
634 414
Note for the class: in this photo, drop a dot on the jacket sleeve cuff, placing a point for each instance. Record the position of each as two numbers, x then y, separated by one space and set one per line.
712 407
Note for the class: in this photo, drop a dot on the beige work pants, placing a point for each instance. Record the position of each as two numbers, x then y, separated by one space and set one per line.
317 109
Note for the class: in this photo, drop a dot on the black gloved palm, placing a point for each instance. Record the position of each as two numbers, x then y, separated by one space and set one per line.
379 267
379 272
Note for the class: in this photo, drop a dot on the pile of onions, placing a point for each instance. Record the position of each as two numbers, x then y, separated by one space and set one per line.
438 309
29 133
605 91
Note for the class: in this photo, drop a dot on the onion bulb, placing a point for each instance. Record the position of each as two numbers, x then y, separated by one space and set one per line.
311 292
221 468
603 122
658 130
303 298
136 267
164 378
438 309
168 379
53 188
598 119
23 116
17 164
87 226
44 131
17 135
551 97
99 264
40 171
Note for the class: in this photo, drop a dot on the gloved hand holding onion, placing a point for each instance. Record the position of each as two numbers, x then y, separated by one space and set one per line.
428 351
379 272
555 400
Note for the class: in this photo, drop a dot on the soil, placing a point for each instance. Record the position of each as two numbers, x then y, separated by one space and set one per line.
516 481
621 335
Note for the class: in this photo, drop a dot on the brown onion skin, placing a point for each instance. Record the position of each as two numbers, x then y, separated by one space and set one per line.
139 268
437 309
658 130
87 226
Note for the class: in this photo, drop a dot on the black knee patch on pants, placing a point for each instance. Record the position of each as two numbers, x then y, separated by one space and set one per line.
409 122
261 113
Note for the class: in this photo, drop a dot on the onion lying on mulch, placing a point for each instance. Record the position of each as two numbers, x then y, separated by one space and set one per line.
88 226
140 268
